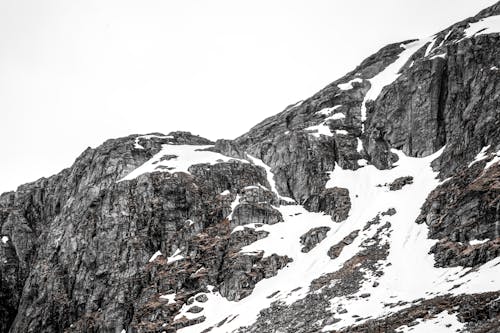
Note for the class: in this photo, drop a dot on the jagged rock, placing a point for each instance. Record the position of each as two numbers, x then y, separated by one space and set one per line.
257 195
375 220
184 322
242 272
398 183
336 249
463 209
389 212
333 201
246 213
247 236
449 254
201 298
195 309
311 238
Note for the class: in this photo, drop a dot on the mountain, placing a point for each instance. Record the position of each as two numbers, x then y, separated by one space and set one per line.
372 206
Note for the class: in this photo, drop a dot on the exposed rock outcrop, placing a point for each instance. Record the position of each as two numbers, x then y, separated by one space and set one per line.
94 249
311 238
333 201
336 249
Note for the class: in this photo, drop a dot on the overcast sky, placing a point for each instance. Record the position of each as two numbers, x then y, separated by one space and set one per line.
75 73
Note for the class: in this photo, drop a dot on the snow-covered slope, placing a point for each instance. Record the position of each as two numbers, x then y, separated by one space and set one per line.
407 275
372 206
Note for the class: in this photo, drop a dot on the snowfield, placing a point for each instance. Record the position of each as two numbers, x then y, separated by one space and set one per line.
178 158
488 25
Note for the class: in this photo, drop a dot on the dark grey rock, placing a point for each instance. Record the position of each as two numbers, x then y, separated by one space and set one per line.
201 298
79 242
333 201
242 272
195 309
398 183
313 237
336 249
464 208
246 213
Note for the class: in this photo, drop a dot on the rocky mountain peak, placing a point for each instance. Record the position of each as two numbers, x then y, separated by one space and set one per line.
371 206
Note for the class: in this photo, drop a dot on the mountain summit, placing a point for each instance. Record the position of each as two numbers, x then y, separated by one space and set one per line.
372 206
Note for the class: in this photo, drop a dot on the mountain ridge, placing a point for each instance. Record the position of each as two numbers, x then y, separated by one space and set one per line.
305 223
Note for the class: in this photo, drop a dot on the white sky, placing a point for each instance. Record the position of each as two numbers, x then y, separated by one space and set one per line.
75 73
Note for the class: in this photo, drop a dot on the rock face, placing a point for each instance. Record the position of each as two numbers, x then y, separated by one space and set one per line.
398 183
289 227
311 238
333 201
247 213
464 209
336 249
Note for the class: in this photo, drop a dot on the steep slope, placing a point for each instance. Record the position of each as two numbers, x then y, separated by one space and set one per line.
372 206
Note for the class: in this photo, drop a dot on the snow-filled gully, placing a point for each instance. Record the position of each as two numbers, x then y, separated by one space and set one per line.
408 253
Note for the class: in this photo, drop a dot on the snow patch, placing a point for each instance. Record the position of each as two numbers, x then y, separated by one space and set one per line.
430 47
235 203
337 116
178 158
441 55
446 37
488 25
480 156
5 239
170 298
175 257
495 159
323 128
359 147
328 111
348 85
362 162
318 130
207 310
154 256
483 155
478 242
270 177
226 192
147 137
390 73
299 103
